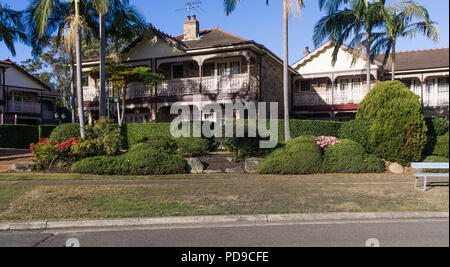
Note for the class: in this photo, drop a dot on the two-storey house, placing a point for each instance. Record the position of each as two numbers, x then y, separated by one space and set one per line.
211 65
332 92
23 98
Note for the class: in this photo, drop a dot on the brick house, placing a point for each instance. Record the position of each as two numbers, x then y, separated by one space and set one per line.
24 96
214 64
333 92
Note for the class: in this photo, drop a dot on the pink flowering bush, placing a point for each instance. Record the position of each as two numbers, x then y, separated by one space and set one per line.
46 154
326 141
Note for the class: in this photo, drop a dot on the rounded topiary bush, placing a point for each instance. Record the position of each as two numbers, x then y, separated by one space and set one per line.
397 127
356 130
350 157
64 132
299 156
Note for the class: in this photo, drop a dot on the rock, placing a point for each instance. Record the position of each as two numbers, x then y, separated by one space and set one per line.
195 165
252 164
395 168
24 167
230 159
212 171
235 170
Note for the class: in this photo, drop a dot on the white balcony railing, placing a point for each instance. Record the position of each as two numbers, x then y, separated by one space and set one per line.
326 98
24 107
185 86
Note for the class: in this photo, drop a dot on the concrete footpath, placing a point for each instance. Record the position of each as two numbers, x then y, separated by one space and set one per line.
220 219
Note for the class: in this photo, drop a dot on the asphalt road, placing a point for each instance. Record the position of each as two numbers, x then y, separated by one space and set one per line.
389 233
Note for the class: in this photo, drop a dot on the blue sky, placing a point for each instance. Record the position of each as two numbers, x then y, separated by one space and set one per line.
253 20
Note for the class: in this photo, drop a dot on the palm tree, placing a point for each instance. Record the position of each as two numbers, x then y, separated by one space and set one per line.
288 6
46 12
405 19
102 8
357 21
11 27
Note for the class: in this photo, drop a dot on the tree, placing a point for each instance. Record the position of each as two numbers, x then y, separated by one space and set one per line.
102 8
357 21
405 19
121 75
288 6
11 27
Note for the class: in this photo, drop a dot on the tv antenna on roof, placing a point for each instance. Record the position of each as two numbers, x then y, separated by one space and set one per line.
190 7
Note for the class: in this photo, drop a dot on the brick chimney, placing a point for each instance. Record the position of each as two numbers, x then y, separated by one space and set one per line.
306 52
191 28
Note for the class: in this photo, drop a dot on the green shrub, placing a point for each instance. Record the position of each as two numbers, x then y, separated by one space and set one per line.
193 146
298 156
45 130
106 135
398 131
163 144
64 132
17 136
436 127
102 165
141 132
154 163
310 127
356 130
441 147
350 157
85 149
139 163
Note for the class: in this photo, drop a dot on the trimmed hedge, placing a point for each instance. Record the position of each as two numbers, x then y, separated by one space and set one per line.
298 156
45 130
310 127
17 136
138 163
435 127
441 148
193 147
350 157
397 125
356 130
135 133
64 132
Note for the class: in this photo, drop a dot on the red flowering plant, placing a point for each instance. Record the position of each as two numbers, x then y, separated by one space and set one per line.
46 154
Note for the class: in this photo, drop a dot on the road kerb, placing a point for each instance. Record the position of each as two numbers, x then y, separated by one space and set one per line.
219 219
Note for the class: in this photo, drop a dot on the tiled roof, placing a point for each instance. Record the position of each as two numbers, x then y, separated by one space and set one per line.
212 38
419 59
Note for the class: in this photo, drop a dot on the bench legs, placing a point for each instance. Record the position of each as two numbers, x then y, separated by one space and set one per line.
424 183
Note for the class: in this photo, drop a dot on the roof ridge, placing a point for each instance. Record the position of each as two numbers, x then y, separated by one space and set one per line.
230 34
420 50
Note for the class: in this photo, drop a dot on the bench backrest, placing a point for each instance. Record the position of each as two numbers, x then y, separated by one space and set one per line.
429 165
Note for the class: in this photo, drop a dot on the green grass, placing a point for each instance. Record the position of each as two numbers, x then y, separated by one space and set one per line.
121 201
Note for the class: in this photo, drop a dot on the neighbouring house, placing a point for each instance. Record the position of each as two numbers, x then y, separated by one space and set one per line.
332 92
212 65
24 99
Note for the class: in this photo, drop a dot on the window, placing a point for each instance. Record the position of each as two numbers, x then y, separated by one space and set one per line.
443 85
344 85
177 71
222 69
235 67
356 84
208 69
305 85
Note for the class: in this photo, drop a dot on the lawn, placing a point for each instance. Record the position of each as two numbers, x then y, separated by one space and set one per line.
30 203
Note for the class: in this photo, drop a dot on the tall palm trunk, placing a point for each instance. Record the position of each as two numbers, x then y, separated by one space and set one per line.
393 60
79 73
102 93
287 130
72 85
368 58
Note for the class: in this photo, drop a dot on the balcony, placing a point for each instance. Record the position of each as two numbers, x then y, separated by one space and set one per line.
178 87
24 107
341 97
